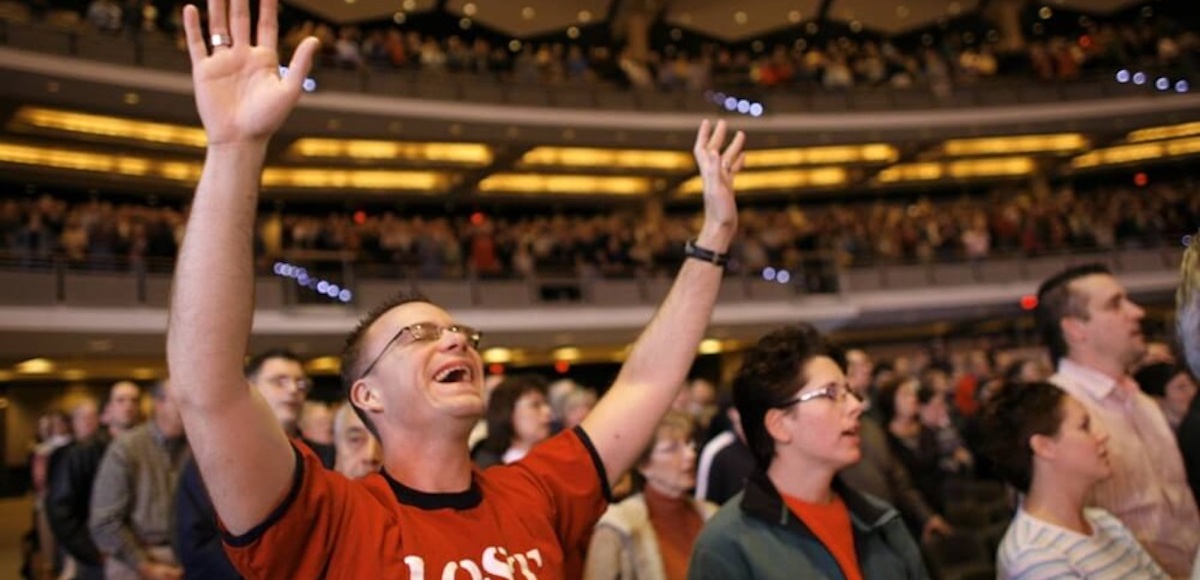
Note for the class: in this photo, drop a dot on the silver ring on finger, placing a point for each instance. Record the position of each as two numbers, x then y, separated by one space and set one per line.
219 40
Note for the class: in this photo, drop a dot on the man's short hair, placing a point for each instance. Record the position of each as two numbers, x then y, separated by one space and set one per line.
256 362
770 376
352 351
113 389
1056 301
1011 417
158 391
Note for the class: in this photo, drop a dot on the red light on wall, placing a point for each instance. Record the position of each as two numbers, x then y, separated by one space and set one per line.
477 218
562 366
496 369
360 217
1029 302
1140 179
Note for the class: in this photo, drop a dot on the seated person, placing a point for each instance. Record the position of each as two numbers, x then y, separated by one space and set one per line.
649 536
1042 441
795 519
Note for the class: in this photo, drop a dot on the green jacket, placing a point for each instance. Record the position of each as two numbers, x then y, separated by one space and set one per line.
755 535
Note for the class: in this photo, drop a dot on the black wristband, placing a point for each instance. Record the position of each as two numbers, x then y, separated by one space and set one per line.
691 250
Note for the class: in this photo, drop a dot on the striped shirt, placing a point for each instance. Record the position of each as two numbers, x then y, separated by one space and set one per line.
1036 550
1148 490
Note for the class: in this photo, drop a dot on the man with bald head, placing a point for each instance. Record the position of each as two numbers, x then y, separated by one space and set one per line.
74 470
358 451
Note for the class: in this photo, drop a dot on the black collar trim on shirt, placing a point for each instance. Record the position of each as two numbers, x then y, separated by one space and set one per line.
459 500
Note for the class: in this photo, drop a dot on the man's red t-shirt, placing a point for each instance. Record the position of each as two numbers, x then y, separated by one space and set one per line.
531 519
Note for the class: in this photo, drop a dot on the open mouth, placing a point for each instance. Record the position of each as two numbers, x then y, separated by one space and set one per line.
453 374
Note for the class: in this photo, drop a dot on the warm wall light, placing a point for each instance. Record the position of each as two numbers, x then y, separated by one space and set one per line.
564 184
776 180
1132 153
965 169
1051 143
420 181
566 353
97 162
497 356
1164 132
74 375
710 346
470 154
614 158
35 366
105 126
830 155
323 364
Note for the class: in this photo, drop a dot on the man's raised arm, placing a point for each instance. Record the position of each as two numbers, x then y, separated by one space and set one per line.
242 452
624 420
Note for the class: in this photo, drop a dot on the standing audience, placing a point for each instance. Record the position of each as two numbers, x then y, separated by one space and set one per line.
1044 443
795 519
69 503
1093 330
132 506
649 535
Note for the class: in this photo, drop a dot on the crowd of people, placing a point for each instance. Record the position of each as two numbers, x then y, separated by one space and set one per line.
939 430
101 234
118 496
954 58
848 465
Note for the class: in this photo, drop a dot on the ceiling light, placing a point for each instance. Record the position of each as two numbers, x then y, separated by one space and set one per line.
528 13
546 156
564 184
380 180
497 356
106 126
790 179
828 155
471 154
567 353
469 8
1051 143
710 346
35 366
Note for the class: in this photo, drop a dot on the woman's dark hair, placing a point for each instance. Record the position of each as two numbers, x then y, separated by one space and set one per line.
500 409
1011 417
886 399
770 376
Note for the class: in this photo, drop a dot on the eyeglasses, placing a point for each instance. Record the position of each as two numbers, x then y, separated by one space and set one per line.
426 332
836 392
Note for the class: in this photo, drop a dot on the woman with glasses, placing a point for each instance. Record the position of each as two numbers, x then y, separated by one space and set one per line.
518 417
650 535
795 519
1044 443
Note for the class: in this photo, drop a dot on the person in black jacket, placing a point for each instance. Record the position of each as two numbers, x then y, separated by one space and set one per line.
74 470
279 376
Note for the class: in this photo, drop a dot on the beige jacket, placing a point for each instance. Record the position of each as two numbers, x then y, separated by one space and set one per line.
624 546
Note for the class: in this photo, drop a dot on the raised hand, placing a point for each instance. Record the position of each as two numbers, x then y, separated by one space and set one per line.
239 93
717 169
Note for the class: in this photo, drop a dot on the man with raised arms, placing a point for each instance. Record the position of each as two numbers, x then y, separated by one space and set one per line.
412 372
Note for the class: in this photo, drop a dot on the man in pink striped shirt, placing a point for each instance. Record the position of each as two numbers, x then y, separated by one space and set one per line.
1094 333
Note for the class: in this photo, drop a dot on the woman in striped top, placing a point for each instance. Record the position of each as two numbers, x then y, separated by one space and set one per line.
1043 443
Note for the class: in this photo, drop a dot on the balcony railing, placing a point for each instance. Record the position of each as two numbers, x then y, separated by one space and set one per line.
51 280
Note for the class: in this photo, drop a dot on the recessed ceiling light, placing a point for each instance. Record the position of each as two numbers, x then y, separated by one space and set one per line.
573 32
740 17
528 13
409 5
585 16
794 16
469 8
132 98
